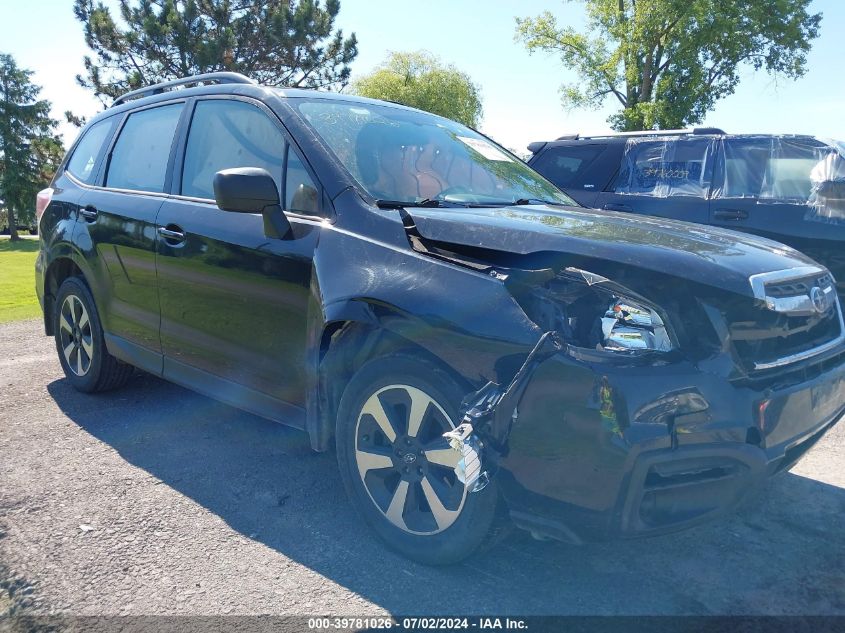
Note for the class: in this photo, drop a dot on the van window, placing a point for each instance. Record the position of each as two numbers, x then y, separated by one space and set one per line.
564 165
87 152
227 134
664 167
140 155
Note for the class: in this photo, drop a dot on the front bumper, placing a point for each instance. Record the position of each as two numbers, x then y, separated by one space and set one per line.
601 451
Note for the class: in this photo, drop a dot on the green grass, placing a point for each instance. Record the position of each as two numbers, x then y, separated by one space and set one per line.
17 280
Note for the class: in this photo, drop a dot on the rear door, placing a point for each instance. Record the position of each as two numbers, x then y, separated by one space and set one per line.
117 236
667 177
233 301
581 168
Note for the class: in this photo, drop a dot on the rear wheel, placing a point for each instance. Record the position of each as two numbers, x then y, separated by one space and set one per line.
79 341
397 468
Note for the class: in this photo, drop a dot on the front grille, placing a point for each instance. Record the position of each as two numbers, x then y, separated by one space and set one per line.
797 288
784 324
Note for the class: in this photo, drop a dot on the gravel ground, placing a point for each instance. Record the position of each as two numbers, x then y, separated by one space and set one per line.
154 500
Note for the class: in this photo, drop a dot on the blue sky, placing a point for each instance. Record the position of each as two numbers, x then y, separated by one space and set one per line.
520 91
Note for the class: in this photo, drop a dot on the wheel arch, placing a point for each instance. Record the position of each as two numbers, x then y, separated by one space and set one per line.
61 267
348 339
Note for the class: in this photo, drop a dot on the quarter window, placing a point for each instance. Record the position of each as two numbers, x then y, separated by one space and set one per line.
140 155
300 192
87 152
563 165
227 134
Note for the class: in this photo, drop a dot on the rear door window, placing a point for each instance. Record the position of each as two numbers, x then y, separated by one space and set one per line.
666 167
88 150
140 155
565 165
227 134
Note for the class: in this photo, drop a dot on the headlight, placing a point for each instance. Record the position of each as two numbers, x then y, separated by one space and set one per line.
628 326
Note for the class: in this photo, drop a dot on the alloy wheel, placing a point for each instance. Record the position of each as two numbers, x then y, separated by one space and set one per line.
77 340
406 466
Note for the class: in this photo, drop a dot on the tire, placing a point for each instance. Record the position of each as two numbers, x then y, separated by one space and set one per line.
380 471
80 344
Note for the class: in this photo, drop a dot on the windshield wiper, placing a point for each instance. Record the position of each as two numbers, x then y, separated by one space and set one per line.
434 202
524 201
401 204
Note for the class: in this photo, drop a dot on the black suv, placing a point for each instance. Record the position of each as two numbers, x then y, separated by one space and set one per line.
478 348
787 188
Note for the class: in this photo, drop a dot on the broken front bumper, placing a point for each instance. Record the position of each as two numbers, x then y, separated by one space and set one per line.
600 451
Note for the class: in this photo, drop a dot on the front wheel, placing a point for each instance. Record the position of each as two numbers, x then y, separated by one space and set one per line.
397 468
79 341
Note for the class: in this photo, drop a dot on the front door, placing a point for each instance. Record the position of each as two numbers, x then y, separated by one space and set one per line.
233 301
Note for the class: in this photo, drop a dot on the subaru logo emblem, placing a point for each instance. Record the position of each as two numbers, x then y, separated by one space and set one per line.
819 299
409 458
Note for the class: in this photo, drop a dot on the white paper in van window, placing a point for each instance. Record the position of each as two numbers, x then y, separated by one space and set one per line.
485 149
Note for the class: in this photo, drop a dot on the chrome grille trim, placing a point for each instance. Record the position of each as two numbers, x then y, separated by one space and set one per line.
799 273
798 305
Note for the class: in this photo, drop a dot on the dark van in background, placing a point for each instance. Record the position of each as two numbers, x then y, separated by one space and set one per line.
787 188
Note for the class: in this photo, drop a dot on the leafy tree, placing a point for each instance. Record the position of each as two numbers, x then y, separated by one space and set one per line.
29 148
277 42
419 80
667 62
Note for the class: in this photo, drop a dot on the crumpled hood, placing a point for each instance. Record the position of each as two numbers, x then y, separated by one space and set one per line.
705 254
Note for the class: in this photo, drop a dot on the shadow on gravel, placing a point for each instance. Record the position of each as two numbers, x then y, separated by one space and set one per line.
783 553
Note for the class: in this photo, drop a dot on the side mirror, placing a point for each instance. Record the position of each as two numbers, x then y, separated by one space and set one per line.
251 190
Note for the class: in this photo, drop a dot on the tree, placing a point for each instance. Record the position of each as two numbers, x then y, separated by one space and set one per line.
668 62
277 42
421 81
29 149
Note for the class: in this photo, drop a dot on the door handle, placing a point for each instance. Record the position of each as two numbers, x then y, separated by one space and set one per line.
172 234
730 214
615 206
89 212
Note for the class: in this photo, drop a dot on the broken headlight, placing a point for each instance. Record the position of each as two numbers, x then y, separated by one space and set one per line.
630 326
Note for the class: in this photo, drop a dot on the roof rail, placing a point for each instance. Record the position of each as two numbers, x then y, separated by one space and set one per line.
148 91
694 130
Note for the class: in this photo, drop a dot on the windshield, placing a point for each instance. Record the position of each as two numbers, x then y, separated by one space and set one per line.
406 156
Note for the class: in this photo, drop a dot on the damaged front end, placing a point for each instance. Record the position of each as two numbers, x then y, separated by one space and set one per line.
583 314
489 414
640 408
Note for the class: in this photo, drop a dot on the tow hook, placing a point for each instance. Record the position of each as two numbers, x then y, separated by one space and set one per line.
483 419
